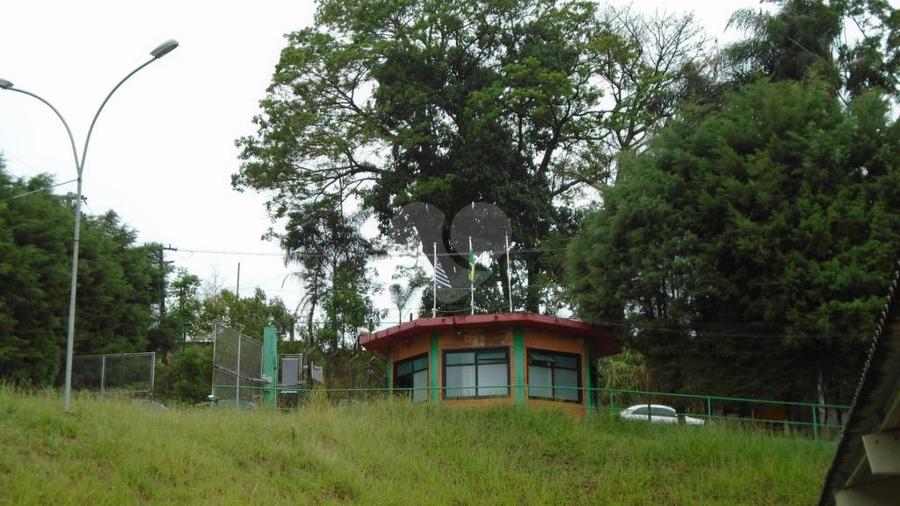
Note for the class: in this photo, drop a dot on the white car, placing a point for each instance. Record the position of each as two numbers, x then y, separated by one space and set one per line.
657 413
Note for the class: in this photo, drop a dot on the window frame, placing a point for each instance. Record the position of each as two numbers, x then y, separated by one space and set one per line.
659 410
552 386
476 351
412 373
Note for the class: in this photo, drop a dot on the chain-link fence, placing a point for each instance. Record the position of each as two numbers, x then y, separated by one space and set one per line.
237 369
130 373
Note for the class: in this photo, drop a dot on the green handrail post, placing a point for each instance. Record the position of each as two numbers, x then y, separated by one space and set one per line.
815 420
709 408
389 372
612 401
519 365
588 384
434 368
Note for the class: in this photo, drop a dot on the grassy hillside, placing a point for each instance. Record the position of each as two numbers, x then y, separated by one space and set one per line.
120 452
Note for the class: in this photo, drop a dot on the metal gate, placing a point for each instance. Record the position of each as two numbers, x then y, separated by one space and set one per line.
237 369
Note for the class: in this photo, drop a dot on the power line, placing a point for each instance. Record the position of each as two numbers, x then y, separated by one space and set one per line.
378 256
43 189
224 252
33 172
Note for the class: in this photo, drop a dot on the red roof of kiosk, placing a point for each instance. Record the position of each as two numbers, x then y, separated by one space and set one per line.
600 337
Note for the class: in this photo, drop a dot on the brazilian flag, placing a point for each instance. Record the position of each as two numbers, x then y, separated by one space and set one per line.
472 260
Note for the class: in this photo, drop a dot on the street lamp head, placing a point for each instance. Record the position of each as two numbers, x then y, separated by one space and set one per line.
164 48
5 84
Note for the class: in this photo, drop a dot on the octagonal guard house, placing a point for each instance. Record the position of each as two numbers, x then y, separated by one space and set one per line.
506 358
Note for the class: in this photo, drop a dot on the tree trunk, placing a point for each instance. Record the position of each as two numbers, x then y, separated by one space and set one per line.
309 322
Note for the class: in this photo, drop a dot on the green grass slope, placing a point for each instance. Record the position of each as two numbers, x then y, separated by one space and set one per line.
120 452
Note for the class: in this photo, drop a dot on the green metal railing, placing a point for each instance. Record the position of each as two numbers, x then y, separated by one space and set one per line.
796 417
727 406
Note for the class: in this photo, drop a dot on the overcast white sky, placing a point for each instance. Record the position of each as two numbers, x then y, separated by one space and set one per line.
163 152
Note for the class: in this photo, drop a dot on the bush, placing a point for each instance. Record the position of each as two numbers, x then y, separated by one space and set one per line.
187 376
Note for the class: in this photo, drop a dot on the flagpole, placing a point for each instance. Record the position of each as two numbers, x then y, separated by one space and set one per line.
508 274
472 280
434 265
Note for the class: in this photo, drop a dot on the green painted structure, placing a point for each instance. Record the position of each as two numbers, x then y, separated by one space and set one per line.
519 361
270 366
434 368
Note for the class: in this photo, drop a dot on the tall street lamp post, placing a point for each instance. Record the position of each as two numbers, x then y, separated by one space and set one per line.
156 54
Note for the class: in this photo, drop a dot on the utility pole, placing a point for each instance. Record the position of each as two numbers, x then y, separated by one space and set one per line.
237 291
162 268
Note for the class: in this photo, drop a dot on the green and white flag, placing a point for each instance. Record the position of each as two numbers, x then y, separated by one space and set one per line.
473 259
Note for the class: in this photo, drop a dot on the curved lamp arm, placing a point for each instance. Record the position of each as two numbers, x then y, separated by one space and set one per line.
157 53
10 87
160 51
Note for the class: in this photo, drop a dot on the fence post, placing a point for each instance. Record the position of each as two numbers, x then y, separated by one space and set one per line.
815 421
389 371
237 383
709 408
612 401
212 382
102 373
152 370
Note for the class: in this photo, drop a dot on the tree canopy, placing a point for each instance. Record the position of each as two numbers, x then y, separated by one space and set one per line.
249 315
117 282
853 44
756 238
388 103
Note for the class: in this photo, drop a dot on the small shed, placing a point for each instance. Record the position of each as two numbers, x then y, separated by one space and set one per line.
503 358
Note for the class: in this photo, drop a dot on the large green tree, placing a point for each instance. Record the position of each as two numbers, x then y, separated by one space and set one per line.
248 315
854 44
747 250
448 102
332 253
34 273
117 283
182 318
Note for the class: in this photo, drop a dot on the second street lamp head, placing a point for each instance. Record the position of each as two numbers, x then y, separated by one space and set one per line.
164 48
5 84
